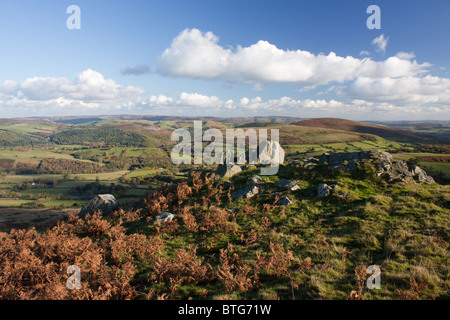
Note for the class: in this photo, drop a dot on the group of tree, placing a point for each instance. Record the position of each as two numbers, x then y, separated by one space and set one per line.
91 189
67 166
104 136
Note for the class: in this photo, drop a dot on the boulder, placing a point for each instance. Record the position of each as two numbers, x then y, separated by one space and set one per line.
245 193
323 190
255 180
106 203
284 201
227 157
271 152
282 183
287 184
228 170
342 194
420 175
164 217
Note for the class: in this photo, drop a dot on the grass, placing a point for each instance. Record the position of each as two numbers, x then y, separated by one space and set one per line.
404 228
24 178
352 146
408 156
137 173
435 167
27 128
32 154
14 202
106 176
64 203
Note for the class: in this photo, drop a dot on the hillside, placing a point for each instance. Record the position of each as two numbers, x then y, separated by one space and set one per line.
317 245
361 127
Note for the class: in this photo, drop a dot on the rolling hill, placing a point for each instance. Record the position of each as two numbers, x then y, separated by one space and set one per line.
361 127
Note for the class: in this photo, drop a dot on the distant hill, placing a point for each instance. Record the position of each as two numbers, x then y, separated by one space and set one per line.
360 127
86 119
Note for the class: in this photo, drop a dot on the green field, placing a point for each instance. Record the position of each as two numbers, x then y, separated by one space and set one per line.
14 202
408 156
24 178
435 167
354 146
20 153
27 128
143 173
105 176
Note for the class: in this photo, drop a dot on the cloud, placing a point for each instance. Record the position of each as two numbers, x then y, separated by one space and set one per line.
194 55
137 70
89 85
402 91
405 55
89 90
199 100
380 43
197 55
160 100
364 53
363 100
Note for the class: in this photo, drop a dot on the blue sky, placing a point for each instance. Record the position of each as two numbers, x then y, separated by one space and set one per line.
298 58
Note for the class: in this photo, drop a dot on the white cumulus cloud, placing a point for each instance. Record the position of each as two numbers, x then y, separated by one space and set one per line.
405 90
89 90
197 55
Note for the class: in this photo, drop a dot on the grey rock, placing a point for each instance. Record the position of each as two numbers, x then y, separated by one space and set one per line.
282 183
255 180
400 166
228 170
245 193
284 202
164 217
342 194
251 155
386 167
227 157
288 184
323 190
271 152
421 176
106 203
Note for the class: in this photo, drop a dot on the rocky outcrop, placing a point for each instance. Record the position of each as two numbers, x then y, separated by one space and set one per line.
245 193
106 203
385 165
